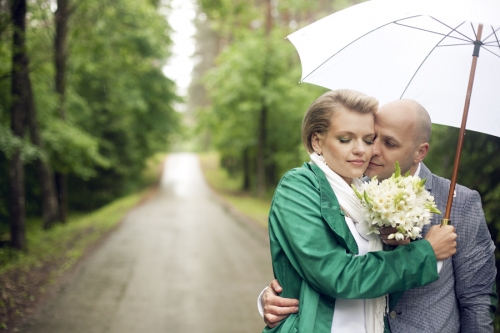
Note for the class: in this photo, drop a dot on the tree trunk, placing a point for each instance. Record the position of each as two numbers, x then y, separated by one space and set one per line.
60 55
261 150
50 209
60 59
261 145
246 169
62 191
17 208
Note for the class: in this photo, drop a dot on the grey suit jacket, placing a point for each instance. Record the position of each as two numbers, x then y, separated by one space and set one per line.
462 299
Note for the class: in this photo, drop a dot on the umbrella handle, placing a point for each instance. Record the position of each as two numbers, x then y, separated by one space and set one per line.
475 55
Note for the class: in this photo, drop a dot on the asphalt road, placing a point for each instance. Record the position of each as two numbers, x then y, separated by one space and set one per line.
179 263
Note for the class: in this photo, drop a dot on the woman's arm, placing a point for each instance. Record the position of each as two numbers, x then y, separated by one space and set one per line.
319 255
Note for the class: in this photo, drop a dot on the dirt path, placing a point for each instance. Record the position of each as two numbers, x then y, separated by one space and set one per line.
179 263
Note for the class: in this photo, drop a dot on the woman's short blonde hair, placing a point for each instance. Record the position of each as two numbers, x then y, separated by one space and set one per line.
318 117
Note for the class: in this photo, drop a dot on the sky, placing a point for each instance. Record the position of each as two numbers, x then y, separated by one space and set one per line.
181 64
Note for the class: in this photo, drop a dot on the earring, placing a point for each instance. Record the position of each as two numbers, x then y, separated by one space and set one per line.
321 158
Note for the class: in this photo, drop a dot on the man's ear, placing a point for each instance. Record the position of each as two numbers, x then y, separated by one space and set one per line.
421 152
316 143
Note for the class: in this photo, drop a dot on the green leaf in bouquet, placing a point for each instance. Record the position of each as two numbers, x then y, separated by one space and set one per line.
397 172
422 182
360 197
367 199
434 210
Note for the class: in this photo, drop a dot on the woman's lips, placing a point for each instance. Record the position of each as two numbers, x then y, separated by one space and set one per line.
357 162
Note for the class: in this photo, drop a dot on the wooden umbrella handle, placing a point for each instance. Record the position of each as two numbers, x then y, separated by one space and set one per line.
475 55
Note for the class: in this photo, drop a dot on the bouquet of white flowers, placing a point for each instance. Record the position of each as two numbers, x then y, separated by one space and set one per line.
401 202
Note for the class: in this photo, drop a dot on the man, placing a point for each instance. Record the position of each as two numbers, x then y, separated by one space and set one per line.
463 299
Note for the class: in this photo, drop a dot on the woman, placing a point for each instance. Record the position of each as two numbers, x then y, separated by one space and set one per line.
319 248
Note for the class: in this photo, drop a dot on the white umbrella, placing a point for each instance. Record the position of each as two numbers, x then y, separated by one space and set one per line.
413 49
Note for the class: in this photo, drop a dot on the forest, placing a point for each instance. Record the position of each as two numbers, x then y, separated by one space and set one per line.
84 103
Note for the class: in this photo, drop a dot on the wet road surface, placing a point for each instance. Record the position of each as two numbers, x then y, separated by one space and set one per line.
179 263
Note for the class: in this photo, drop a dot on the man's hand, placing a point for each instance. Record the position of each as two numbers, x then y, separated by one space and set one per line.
443 240
386 231
277 308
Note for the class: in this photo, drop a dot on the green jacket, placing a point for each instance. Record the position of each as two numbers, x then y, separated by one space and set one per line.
313 254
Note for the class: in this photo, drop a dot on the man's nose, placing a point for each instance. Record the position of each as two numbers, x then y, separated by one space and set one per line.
376 147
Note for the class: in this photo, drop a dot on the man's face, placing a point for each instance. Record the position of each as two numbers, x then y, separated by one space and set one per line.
394 127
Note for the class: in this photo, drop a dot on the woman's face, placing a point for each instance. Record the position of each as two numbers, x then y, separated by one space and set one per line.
347 146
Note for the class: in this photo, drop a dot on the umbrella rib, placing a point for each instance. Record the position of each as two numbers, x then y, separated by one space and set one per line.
454 29
333 55
495 33
453 45
437 33
482 46
492 34
421 64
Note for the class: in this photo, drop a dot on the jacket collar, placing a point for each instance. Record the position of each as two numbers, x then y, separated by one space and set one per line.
331 212
427 174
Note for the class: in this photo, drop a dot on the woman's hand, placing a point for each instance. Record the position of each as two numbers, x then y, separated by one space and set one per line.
443 241
386 231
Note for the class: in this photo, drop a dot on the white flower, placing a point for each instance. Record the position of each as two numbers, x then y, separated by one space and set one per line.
400 202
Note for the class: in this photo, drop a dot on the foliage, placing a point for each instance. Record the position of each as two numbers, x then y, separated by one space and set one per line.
241 85
118 106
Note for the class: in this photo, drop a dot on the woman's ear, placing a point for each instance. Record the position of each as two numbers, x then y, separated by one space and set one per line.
316 143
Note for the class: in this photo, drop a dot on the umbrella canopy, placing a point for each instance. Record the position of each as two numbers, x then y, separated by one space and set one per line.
425 50
414 49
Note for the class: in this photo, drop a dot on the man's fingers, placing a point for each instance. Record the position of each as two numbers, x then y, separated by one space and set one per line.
272 320
273 300
269 298
280 310
275 286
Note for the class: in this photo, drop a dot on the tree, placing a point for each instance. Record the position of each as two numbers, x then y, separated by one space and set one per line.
19 106
116 103
61 17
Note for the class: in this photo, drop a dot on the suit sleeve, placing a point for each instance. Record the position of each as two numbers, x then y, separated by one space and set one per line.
475 271
319 257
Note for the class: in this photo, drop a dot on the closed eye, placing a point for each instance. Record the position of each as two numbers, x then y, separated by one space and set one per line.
390 144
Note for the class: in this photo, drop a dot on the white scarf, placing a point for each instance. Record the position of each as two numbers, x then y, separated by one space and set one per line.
374 308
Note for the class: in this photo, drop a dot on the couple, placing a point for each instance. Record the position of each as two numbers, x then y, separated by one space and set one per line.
321 254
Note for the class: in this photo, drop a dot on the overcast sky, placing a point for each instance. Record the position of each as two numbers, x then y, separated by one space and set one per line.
181 64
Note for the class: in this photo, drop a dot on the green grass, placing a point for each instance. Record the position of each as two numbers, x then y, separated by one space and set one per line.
229 188
66 241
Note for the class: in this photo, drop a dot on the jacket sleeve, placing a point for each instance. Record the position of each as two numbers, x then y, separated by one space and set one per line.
315 251
474 266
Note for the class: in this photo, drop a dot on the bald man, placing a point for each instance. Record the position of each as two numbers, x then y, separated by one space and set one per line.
463 299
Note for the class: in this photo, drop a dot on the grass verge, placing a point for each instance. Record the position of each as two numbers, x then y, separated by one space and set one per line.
229 188
25 277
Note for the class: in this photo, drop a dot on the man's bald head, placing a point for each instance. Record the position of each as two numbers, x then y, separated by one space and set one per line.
403 129
411 115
